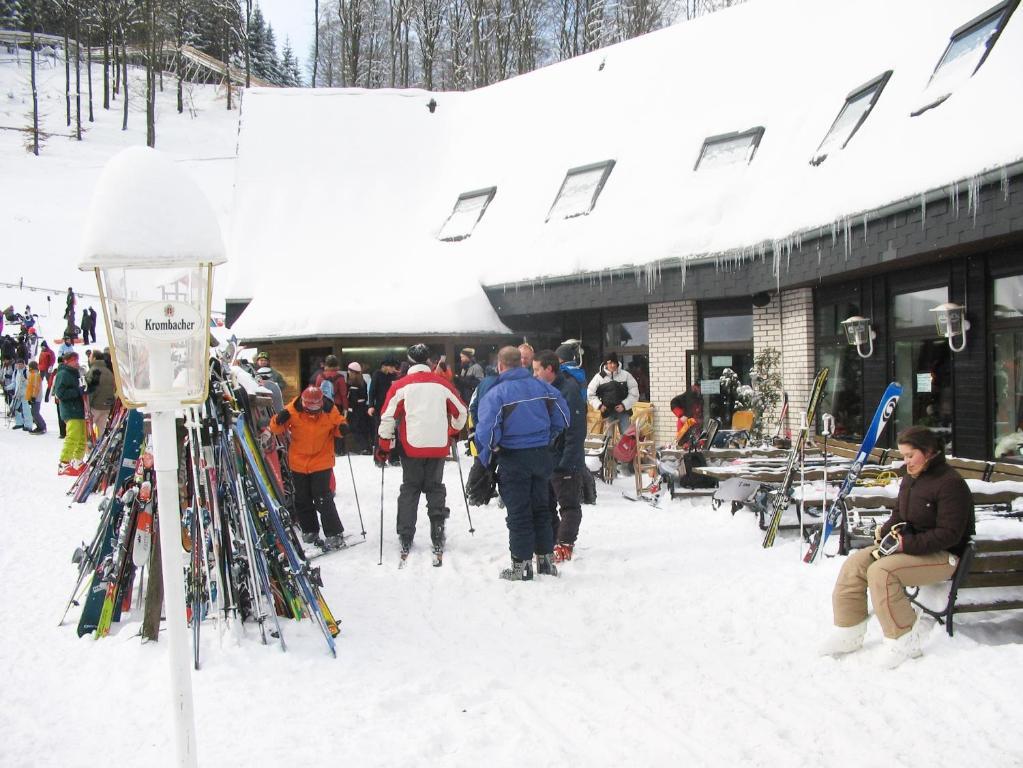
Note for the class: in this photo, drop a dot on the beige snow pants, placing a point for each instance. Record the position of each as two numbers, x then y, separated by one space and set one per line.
885 579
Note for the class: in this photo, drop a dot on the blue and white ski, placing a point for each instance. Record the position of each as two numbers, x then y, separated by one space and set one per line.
883 414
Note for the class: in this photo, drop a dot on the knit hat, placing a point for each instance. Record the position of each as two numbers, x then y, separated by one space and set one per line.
469 352
262 356
355 367
611 357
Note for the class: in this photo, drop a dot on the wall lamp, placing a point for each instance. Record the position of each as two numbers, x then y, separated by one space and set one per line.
950 320
858 332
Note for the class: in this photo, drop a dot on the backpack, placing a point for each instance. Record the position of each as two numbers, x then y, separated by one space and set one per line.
626 449
327 387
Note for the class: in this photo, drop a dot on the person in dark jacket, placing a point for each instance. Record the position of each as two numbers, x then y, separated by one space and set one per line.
920 544
99 385
263 361
569 456
519 419
67 389
88 325
379 385
358 405
469 375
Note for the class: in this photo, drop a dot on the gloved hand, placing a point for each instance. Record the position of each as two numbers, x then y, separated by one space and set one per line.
282 417
878 535
481 485
382 453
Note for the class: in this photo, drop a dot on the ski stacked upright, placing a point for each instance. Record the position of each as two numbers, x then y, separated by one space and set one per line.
784 492
883 414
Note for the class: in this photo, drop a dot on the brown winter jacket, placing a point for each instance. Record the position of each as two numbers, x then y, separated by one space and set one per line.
312 435
938 506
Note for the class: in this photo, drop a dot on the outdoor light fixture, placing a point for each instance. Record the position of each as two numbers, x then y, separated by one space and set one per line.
153 240
950 320
858 332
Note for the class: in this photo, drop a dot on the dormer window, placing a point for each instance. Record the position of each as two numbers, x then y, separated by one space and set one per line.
469 209
966 52
729 149
855 110
580 190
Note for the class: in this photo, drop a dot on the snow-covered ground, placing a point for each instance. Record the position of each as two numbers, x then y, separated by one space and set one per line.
671 639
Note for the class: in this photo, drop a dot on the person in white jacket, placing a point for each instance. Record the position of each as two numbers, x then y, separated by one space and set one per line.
424 411
613 391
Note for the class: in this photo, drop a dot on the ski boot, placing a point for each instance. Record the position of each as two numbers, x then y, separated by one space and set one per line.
437 538
337 541
406 545
310 538
563 552
521 570
545 565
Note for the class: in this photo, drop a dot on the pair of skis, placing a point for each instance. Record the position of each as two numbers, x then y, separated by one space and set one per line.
783 494
883 414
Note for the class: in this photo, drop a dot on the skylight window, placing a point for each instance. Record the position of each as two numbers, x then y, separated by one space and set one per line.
580 190
469 209
729 149
966 52
855 110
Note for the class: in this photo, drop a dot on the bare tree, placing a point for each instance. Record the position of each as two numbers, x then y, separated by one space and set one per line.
316 40
428 21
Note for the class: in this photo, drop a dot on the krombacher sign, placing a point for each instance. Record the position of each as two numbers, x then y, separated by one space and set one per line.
167 321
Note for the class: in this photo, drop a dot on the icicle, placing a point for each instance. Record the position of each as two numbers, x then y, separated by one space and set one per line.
866 220
953 198
847 228
1003 179
973 197
685 270
923 211
834 233
819 253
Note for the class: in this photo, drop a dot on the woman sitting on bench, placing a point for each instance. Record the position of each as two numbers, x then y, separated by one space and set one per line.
920 544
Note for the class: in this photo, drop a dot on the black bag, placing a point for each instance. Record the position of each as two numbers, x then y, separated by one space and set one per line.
612 394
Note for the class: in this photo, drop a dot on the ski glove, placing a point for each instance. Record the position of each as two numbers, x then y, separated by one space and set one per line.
383 452
481 485
282 417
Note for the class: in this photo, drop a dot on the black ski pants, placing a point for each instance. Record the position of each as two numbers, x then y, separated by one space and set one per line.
418 477
312 495
524 477
565 493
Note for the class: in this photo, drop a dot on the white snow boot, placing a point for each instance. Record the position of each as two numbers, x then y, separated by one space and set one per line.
843 640
909 646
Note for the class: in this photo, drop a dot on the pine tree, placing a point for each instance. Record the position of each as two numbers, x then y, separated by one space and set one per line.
290 76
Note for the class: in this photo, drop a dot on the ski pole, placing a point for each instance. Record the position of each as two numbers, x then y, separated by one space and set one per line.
382 515
461 479
355 488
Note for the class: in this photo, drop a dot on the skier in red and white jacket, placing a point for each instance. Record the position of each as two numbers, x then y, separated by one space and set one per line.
425 411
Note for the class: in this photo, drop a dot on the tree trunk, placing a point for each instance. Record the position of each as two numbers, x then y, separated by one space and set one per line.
67 65
78 74
248 56
227 64
316 39
35 94
150 74
124 78
88 70
106 71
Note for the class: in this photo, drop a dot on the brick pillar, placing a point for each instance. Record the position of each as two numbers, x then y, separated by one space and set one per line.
767 333
672 333
797 350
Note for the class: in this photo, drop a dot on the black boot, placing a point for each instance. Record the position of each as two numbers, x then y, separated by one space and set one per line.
406 544
545 565
437 535
521 570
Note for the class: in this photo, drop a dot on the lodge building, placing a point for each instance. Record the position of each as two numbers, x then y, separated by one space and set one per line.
882 180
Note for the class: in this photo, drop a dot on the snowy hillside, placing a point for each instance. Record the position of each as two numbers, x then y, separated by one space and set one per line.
44 200
672 639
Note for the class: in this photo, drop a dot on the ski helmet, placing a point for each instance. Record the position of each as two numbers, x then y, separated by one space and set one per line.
418 353
312 399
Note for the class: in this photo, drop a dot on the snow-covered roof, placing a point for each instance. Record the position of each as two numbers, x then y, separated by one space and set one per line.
341 194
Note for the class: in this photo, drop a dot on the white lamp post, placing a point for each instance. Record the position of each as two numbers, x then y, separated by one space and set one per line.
858 332
153 239
950 320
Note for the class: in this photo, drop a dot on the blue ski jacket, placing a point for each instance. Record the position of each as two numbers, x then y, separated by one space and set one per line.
519 412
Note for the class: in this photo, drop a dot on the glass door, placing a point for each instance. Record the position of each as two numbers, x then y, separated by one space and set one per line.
924 368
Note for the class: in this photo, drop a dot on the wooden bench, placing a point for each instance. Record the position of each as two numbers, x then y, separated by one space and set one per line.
985 564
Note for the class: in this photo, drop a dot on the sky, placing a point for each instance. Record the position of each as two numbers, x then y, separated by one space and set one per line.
292 19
